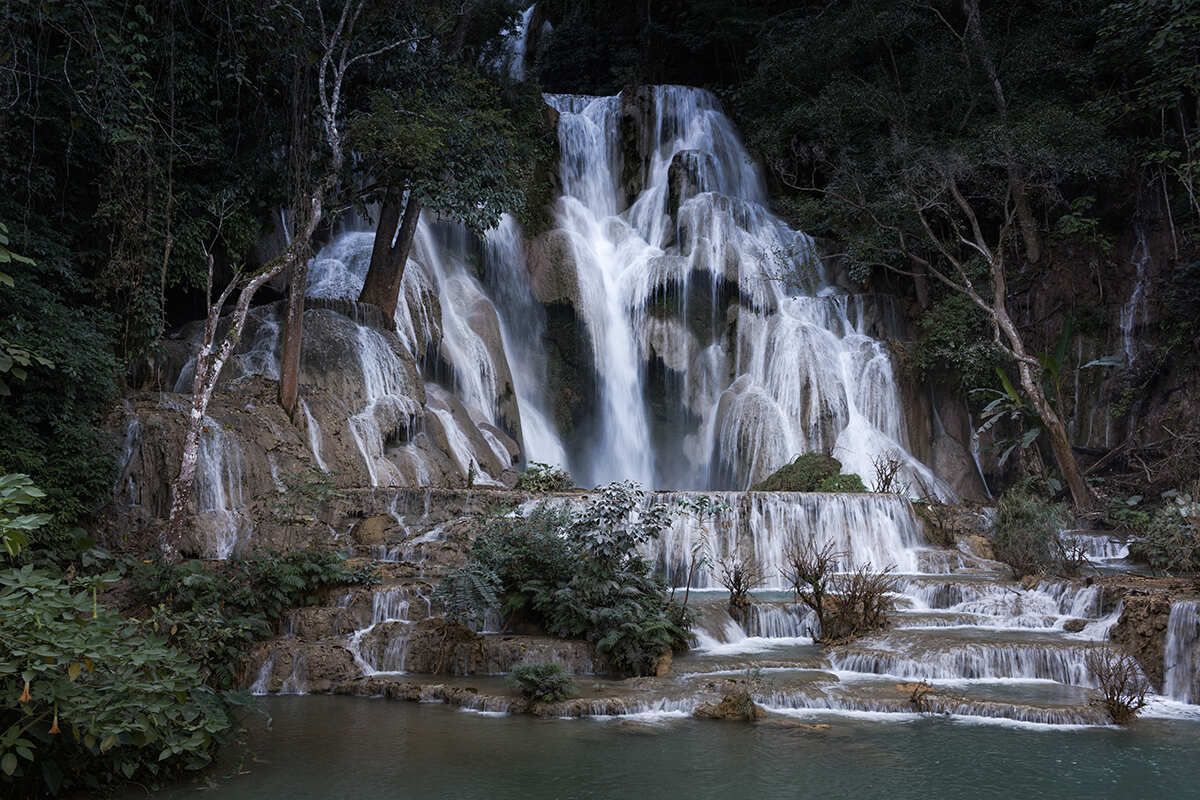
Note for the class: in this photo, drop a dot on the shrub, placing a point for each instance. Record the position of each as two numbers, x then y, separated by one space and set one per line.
847 605
805 474
543 683
579 576
17 494
539 477
214 613
841 483
1025 533
1171 541
739 574
88 698
1123 685
888 478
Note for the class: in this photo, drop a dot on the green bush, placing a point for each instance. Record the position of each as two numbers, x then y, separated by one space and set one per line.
539 477
576 576
1025 533
214 613
17 495
1171 541
842 483
543 683
805 474
89 698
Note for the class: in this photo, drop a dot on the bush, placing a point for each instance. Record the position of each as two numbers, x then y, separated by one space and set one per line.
17 496
805 474
740 575
1025 533
847 605
1123 686
539 477
543 683
577 576
841 483
88 698
1171 541
214 613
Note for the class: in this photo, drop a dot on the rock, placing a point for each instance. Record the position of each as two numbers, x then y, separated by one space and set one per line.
371 531
978 546
1074 625
1141 631
1030 582
552 272
738 705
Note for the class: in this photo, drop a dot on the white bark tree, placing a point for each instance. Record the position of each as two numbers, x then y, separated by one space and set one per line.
341 49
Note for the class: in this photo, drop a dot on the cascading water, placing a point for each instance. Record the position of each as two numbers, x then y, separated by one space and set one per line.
1181 679
797 368
1134 309
220 500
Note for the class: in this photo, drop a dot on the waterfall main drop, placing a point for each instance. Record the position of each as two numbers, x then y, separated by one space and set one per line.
691 294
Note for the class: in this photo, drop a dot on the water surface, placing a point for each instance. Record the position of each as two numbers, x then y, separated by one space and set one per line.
326 748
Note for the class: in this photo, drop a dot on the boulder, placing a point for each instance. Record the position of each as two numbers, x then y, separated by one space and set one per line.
734 705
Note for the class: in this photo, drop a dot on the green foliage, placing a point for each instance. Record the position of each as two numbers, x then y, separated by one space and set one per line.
89 699
577 576
543 683
956 344
448 137
805 474
539 477
1025 533
17 494
213 613
1171 539
841 483
305 495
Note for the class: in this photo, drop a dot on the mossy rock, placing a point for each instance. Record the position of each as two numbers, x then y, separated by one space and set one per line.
805 474
842 483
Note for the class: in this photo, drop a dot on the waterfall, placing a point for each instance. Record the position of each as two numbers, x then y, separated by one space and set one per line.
1133 311
1181 680
220 499
659 278
314 435
523 328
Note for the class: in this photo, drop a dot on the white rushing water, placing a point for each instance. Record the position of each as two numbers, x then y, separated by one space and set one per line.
1182 656
801 372
220 492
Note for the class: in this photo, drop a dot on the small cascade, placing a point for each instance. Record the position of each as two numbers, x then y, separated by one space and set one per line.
262 681
939 657
220 498
1181 679
314 435
390 411
866 528
1134 310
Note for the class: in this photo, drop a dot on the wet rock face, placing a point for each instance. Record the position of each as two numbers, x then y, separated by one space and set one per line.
1142 631
736 704
437 647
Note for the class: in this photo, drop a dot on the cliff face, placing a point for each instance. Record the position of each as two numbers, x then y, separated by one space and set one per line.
366 419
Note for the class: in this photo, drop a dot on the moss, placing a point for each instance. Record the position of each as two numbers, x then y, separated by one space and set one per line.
842 483
805 474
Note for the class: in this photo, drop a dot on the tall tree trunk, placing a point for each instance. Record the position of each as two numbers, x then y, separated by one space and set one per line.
1056 431
293 336
1026 220
382 284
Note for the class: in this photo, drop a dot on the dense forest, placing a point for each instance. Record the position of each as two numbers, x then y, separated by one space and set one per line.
1022 177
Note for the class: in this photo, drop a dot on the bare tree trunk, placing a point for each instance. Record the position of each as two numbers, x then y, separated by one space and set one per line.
1056 431
386 273
293 337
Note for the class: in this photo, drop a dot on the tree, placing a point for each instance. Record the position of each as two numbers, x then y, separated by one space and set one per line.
448 143
341 47
930 139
